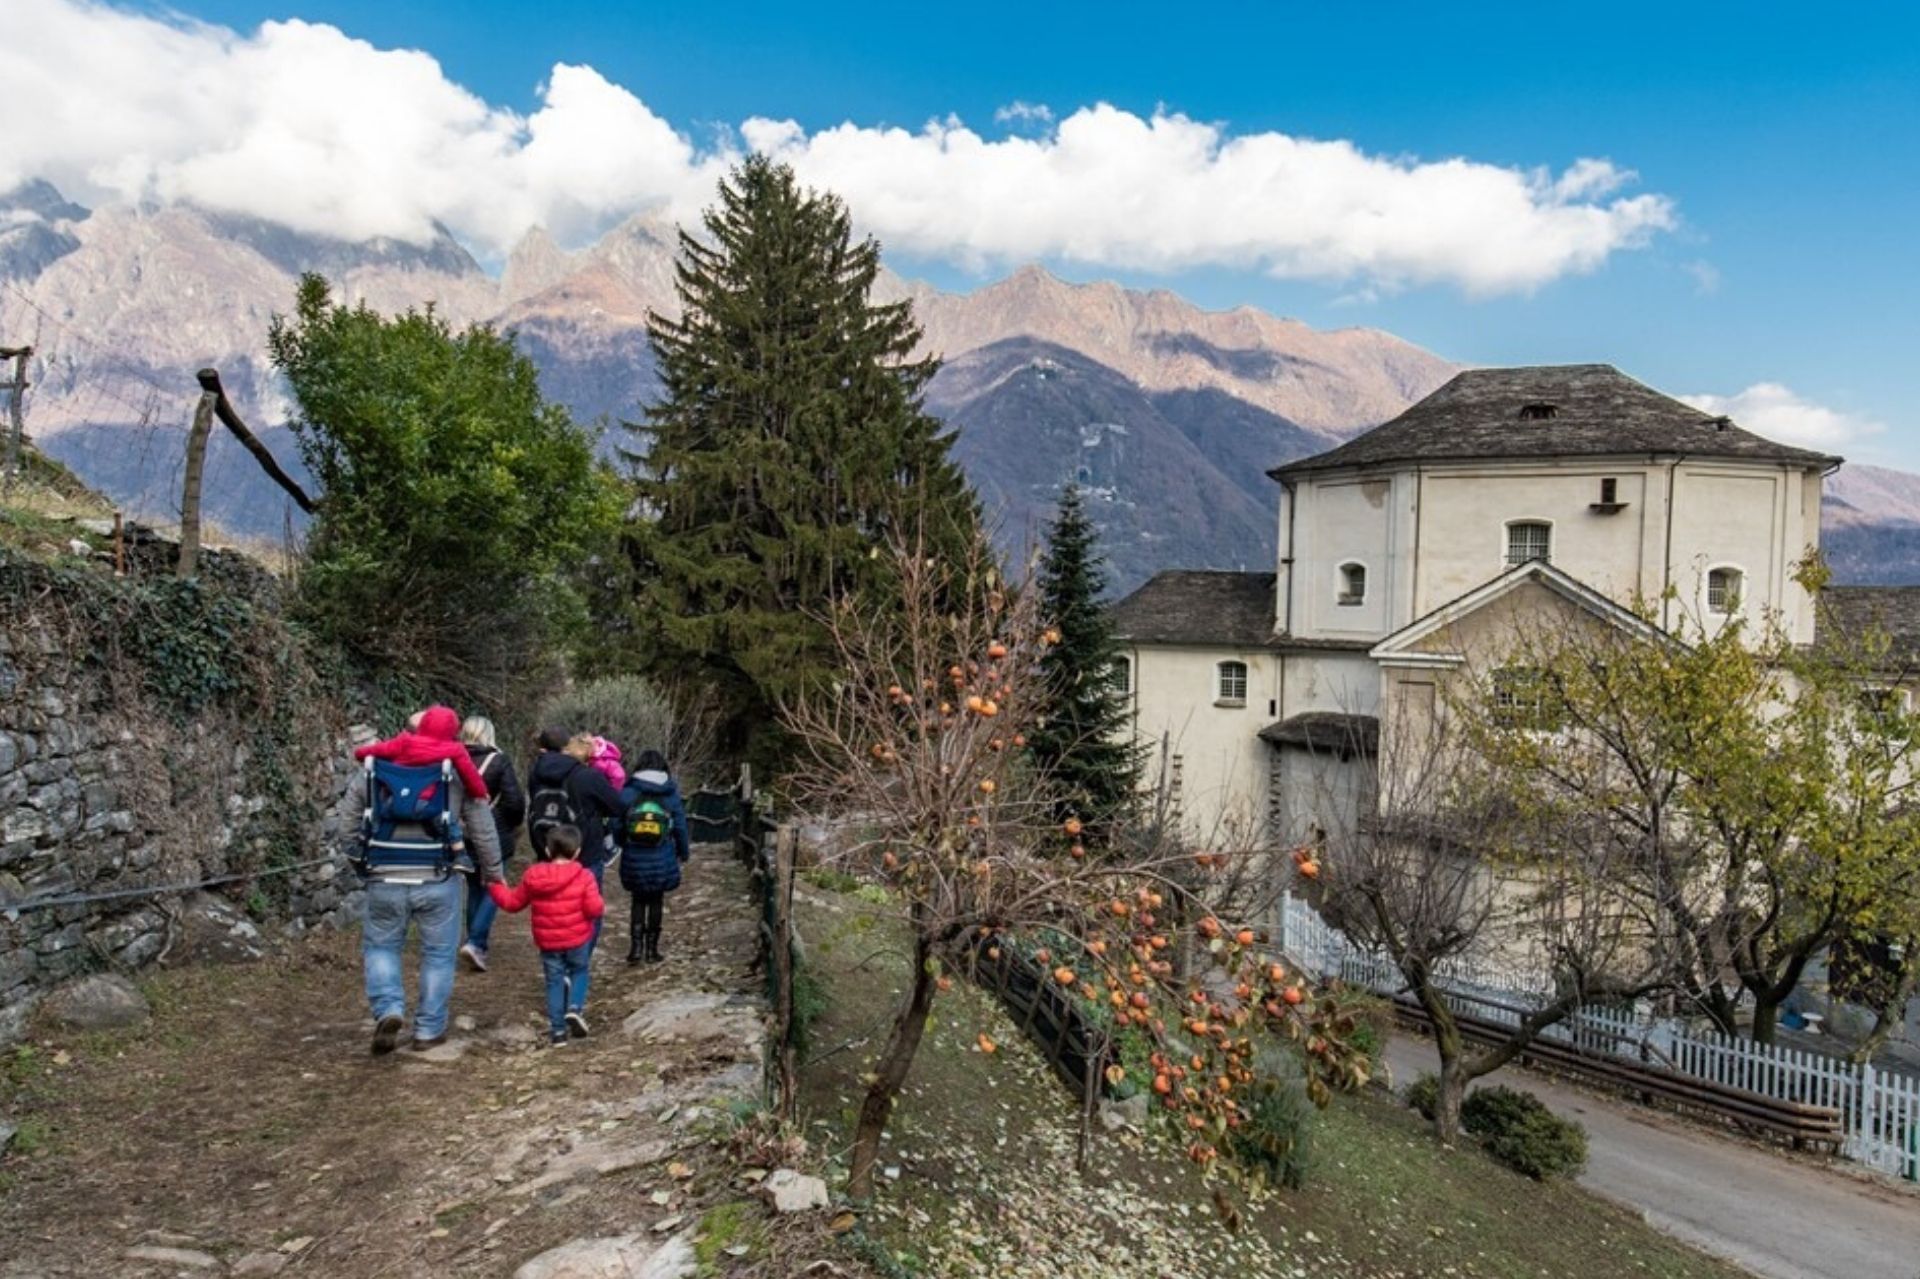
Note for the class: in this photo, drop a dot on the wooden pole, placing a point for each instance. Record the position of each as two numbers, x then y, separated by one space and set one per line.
223 408
119 546
190 489
16 407
784 845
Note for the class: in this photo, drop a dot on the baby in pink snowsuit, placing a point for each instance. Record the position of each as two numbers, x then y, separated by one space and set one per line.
606 758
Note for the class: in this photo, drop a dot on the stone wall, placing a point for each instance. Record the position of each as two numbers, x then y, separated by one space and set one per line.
104 790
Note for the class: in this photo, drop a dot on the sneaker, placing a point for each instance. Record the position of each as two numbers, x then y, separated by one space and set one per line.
387 1034
475 957
420 1045
557 1040
577 1024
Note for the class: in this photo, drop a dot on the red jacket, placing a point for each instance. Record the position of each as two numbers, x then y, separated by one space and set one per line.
437 739
566 900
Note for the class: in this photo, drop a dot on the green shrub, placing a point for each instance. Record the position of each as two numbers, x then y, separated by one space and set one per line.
1517 1129
1423 1094
1277 1138
637 715
1134 1052
1372 1018
810 1000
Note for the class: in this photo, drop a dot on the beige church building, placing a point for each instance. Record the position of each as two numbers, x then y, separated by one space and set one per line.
1503 498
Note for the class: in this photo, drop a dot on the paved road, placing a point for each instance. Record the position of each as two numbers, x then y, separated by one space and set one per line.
1778 1217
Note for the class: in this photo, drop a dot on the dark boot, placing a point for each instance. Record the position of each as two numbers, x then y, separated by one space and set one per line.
637 948
653 946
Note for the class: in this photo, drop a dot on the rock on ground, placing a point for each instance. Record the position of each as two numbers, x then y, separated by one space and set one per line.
183 1258
103 1001
790 1191
615 1257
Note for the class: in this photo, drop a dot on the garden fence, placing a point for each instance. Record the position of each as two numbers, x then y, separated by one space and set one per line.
767 849
1879 1108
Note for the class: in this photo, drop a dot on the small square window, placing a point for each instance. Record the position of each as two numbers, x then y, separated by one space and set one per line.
1723 590
1529 540
1883 703
1524 698
1353 583
1231 683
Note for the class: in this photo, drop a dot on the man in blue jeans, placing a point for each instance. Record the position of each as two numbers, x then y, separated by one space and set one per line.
398 897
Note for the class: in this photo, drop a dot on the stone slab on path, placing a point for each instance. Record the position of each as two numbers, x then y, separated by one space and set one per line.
613 1257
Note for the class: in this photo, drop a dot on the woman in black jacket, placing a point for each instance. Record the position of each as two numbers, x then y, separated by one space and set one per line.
509 805
563 788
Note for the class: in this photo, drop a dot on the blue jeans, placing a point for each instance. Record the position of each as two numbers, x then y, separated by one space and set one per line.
599 872
566 972
480 913
390 909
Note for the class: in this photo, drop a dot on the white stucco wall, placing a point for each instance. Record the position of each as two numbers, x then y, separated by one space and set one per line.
1431 533
1223 768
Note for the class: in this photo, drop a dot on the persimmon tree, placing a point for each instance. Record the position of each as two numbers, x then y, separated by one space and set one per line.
919 757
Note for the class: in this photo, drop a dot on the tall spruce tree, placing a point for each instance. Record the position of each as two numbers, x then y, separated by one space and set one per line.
788 446
1082 741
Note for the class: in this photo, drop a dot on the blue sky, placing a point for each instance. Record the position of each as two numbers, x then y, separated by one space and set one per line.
1786 140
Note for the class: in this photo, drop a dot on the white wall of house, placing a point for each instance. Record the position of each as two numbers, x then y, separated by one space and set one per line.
1429 534
1223 762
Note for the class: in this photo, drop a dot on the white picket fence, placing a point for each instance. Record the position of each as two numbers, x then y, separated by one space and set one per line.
1879 1108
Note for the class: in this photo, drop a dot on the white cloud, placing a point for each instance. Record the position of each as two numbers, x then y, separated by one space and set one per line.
1775 411
1018 112
1706 276
304 125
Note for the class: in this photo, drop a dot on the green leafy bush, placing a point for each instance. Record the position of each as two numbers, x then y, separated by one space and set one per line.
1423 1094
810 1001
1370 1018
1520 1131
1277 1138
459 510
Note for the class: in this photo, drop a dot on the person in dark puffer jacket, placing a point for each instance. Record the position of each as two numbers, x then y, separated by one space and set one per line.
649 873
566 916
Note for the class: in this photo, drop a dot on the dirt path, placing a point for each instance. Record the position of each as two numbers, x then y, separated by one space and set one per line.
1776 1216
247 1130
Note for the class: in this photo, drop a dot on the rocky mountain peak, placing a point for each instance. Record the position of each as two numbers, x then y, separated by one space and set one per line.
535 265
39 199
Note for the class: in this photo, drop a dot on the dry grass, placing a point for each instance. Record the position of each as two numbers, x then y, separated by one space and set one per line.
986 1186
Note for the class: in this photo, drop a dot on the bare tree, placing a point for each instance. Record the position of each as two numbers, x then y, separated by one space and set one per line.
918 755
1450 861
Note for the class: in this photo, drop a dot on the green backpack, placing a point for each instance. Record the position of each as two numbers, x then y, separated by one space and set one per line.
647 823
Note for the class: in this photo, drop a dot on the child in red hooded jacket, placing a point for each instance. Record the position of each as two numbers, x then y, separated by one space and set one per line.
432 737
566 903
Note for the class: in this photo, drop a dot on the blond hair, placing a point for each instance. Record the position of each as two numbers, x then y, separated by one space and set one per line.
581 747
478 731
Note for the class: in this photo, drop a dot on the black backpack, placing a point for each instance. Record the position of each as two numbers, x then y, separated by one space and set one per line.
551 804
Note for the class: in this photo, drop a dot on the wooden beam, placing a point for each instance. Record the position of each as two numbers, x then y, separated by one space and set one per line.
223 409
190 488
16 406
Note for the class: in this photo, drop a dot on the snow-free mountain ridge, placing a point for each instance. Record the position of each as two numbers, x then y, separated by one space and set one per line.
1169 413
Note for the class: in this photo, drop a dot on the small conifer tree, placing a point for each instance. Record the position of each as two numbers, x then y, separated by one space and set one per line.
1083 741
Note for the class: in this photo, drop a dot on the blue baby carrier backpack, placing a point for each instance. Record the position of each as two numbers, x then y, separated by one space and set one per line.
408 824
